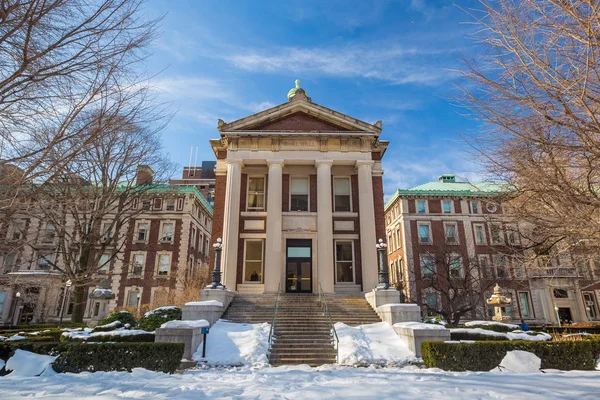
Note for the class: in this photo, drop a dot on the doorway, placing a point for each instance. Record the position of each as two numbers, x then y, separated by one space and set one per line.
298 274
564 313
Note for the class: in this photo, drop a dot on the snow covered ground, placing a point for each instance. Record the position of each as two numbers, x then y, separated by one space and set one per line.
302 382
371 344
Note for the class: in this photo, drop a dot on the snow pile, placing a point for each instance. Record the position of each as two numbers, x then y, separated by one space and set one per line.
25 363
489 323
201 323
205 303
419 325
2 364
85 334
230 343
598 364
519 361
15 338
371 344
159 309
516 335
114 324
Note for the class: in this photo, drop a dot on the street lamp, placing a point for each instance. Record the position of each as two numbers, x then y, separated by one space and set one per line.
15 308
384 282
557 315
589 313
216 274
68 284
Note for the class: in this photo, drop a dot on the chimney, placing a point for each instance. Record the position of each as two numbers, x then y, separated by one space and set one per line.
144 176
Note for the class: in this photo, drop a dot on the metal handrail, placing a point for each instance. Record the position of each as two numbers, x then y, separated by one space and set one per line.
274 319
323 301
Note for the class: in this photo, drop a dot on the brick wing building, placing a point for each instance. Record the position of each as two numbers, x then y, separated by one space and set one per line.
299 199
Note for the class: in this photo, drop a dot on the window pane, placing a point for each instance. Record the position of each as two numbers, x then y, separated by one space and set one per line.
255 200
299 186
451 233
421 207
299 202
256 185
253 271
253 250
133 299
524 300
341 186
164 262
447 206
424 233
343 251
342 203
298 252
344 272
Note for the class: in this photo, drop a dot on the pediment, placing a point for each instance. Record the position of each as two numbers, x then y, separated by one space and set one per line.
298 121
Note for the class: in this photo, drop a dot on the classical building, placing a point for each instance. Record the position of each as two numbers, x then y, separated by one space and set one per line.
166 240
299 199
202 178
464 223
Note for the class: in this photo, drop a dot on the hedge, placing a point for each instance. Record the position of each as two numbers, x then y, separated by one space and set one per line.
125 317
487 355
144 337
108 327
152 320
493 327
474 336
79 357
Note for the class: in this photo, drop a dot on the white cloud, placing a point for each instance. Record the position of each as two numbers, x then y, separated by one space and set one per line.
258 107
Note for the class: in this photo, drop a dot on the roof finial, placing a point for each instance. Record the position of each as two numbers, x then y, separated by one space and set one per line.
297 90
297 83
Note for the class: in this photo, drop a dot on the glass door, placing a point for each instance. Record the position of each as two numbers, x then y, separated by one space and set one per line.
298 266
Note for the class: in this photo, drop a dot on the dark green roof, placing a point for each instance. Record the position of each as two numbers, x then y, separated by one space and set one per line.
182 189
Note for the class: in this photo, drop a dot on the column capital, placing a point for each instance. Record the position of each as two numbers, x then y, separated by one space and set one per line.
364 163
235 162
271 163
318 163
377 172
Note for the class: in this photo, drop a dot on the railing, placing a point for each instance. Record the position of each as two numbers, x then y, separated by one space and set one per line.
323 302
271 331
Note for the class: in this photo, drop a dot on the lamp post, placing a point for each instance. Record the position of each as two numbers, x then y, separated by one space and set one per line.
589 313
557 315
384 282
68 284
15 308
216 274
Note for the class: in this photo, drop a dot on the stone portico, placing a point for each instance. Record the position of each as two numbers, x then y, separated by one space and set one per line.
298 194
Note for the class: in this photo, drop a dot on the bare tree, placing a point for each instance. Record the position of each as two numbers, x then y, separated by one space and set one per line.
189 285
60 59
84 213
536 89
459 283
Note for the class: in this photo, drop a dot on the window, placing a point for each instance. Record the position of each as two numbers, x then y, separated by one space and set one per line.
560 293
106 231
421 206
134 298
499 262
518 268
496 234
424 235
524 303
427 266
49 234
104 263
167 232
398 239
474 207
299 194
447 206
164 264
2 300
431 300
146 204
341 190
142 233
344 262
451 234
9 263
253 261
18 229
170 204
137 266
455 266
193 237
588 299
479 234
256 193
484 265
45 261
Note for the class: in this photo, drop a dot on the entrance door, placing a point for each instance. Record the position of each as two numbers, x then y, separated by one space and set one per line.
298 266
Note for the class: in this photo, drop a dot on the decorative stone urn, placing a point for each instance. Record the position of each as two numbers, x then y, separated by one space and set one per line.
498 300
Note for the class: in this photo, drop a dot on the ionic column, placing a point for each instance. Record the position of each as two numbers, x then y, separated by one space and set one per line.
273 257
366 212
325 270
231 221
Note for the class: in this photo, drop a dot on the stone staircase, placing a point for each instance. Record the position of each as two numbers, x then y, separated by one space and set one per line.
302 331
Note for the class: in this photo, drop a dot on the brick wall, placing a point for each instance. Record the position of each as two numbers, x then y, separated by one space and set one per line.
218 214
379 206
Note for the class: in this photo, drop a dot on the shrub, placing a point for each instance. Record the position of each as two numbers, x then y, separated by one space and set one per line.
487 355
155 318
143 337
495 328
474 336
79 357
125 317
108 327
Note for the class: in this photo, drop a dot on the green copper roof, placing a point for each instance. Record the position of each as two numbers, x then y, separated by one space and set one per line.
182 189
448 188
293 91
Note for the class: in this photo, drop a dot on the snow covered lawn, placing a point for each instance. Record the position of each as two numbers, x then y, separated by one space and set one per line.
516 335
371 344
302 382
228 343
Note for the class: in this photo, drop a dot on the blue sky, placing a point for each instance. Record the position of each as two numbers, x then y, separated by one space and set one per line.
383 60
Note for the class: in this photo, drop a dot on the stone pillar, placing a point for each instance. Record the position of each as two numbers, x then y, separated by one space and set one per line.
366 212
325 271
231 221
273 259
